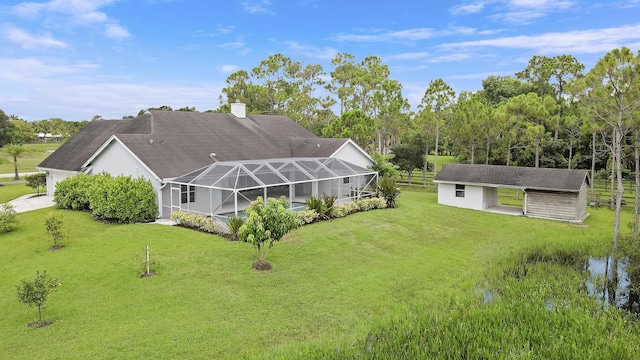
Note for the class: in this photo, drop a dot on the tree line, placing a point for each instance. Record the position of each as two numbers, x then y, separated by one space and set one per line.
552 114
15 130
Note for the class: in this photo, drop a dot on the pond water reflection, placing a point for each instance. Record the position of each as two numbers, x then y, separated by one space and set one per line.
622 292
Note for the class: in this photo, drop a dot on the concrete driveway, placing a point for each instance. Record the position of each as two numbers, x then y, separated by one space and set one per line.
30 202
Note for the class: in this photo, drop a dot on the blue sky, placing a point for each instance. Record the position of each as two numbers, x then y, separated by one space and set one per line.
74 59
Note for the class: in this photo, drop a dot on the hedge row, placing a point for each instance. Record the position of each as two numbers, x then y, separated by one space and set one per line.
198 222
121 199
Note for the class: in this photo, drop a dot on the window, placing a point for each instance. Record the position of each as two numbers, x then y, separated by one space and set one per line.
460 191
345 180
187 195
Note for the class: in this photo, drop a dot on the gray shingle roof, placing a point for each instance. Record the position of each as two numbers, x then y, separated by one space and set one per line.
315 147
513 176
183 141
75 151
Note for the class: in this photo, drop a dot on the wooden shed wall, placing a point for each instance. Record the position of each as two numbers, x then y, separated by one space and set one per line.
554 205
583 201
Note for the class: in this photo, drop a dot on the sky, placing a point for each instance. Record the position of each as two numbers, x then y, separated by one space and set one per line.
74 59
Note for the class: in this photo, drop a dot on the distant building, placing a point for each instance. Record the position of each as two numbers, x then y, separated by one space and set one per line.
558 194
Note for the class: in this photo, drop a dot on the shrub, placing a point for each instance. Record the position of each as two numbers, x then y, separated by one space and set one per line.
8 217
306 217
35 293
54 224
235 223
328 202
73 193
389 190
339 211
358 205
372 203
123 199
198 222
317 205
322 206
38 182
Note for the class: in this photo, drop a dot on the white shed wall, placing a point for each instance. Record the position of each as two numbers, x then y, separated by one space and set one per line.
473 196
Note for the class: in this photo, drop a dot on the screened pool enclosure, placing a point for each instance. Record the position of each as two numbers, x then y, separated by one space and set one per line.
223 189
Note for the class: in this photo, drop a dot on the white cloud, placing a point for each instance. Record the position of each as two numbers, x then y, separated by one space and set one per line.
314 52
571 42
27 41
227 69
257 8
115 31
513 11
29 68
225 29
393 36
40 90
407 56
466 9
232 45
450 58
73 13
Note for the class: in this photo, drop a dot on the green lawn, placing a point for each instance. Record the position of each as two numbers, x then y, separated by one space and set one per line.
14 191
331 283
28 161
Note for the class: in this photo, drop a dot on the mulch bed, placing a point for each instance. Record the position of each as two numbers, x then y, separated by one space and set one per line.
39 324
261 266
56 247
149 274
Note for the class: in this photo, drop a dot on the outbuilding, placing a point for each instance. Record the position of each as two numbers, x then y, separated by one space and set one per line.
557 194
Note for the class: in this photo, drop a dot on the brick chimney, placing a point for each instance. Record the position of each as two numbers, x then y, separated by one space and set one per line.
239 109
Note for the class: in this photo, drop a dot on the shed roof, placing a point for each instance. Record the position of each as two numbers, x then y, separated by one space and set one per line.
172 143
513 176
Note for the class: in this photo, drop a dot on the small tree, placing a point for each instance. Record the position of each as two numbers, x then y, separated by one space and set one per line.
8 217
38 182
265 225
144 262
54 224
382 164
35 292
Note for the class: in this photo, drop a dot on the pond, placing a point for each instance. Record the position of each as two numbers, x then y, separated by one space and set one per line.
622 293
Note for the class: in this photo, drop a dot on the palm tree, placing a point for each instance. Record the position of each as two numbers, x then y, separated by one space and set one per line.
15 150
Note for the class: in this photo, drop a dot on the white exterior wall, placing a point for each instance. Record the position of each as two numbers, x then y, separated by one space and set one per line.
490 197
117 160
474 196
352 154
53 176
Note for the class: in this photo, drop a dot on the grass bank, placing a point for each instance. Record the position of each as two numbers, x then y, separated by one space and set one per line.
12 191
371 283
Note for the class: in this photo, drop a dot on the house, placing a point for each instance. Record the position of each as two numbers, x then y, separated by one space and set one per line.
558 194
214 164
